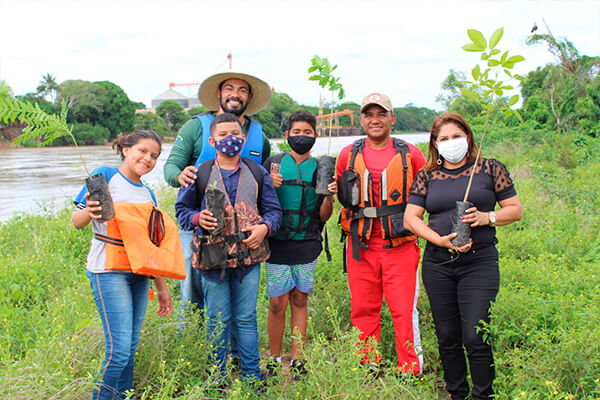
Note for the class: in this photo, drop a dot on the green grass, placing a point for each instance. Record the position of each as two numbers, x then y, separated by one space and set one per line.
545 323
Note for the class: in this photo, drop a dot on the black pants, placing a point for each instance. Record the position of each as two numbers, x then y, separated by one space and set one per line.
460 291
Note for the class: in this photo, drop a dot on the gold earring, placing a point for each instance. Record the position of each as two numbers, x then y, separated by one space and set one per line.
439 160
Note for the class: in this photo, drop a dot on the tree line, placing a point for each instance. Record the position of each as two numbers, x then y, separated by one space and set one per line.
99 111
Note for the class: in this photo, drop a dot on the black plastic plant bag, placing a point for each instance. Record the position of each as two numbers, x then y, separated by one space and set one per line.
462 228
98 188
325 174
215 203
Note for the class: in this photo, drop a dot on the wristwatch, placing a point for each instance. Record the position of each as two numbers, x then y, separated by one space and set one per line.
492 217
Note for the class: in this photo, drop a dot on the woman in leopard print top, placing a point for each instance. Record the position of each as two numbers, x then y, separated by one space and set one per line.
461 282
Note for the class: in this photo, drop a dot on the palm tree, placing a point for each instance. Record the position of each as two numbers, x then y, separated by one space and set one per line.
48 85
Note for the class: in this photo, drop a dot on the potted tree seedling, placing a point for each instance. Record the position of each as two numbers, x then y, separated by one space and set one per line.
487 88
45 128
326 79
215 203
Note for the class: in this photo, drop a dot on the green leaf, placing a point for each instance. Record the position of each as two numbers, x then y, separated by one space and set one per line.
477 38
515 59
496 36
485 56
515 112
507 72
493 63
472 47
498 92
476 72
494 52
314 78
469 94
503 58
312 68
508 64
506 87
513 100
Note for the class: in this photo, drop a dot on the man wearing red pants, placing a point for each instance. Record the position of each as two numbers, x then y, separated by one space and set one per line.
374 176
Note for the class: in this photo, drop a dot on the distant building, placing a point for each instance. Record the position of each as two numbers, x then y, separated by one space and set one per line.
171 95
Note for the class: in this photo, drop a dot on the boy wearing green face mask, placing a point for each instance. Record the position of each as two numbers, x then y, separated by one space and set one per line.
297 244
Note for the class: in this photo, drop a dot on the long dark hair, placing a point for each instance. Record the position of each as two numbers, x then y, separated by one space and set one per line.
124 140
449 118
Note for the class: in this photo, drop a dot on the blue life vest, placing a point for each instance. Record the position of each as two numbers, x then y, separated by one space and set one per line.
253 148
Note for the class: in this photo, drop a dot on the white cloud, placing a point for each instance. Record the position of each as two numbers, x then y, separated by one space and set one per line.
403 48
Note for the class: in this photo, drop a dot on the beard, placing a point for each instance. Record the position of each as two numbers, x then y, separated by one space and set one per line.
235 111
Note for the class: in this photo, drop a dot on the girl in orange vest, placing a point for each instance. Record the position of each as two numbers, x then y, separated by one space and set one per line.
121 296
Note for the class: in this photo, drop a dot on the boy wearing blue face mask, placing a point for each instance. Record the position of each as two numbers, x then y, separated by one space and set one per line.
290 270
251 213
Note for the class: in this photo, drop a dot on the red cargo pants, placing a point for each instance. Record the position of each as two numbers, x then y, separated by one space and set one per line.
392 273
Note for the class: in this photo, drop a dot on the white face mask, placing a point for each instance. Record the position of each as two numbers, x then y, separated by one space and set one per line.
453 150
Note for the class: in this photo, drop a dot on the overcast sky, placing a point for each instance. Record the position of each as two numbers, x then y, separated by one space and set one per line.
401 48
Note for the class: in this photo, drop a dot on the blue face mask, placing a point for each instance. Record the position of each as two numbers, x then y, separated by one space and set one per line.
230 145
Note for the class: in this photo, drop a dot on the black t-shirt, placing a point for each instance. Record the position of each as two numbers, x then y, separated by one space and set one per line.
291 252
437 192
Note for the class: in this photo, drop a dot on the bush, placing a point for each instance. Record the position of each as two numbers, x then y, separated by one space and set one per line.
151 121
88 134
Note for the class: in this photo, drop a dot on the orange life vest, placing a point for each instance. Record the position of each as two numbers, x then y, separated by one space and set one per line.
358 214
144 240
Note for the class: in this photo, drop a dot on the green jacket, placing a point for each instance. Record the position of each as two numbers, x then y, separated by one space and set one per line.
188 146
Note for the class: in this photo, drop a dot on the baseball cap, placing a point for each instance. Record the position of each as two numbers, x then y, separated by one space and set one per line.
377 98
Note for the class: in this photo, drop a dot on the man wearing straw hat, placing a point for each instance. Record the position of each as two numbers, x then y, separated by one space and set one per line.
233 92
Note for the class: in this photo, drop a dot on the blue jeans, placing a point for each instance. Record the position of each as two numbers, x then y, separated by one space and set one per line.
191 287
121 298
231 304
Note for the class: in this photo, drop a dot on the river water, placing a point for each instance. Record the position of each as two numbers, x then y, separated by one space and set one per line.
40 179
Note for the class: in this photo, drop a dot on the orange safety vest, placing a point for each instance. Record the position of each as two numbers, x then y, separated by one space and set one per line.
396 178
144 240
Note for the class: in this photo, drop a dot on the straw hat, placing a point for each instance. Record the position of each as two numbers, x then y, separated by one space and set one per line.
261 93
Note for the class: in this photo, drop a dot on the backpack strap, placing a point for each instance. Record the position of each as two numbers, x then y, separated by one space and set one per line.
204 173
257 173
354 150
202 178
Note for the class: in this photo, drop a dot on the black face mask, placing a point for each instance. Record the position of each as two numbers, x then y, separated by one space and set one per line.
301 144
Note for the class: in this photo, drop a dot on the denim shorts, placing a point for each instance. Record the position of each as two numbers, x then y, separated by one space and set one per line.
282 278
